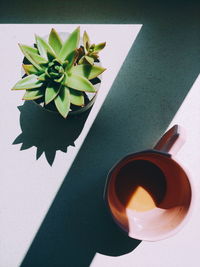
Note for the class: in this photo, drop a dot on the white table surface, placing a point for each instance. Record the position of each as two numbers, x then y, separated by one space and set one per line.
28 186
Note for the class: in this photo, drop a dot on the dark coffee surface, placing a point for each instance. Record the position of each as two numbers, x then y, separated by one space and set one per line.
140 185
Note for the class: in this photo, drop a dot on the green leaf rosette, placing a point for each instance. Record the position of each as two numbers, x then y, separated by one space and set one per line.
60 72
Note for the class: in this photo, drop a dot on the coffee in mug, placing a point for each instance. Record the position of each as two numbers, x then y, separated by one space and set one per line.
148 193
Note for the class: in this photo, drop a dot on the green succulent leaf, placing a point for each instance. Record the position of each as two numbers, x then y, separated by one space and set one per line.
39 60
30 69
62 101
88 71
42 77
32 94
90 60
86 41
60 79
51 92
81 60
29 82
71 58
76 97
79 83
99 47
55 41
70 44
28 51
44 48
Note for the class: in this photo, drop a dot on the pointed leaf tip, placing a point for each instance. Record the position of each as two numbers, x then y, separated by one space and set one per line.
33 57
88 71
99 47
86 42
80 83
55 41
70 44
62 101
28 82
51 92
44 48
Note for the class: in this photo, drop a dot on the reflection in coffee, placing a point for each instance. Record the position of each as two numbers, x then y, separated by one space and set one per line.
141 200
140 185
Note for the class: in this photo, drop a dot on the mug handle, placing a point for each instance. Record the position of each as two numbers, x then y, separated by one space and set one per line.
172 140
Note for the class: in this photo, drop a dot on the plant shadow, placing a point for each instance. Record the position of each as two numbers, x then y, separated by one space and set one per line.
47 131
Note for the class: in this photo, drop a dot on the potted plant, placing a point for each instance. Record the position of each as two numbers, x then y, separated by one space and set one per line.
61 76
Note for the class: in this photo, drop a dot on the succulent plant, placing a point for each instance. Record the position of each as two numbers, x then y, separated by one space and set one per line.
90 52
53 73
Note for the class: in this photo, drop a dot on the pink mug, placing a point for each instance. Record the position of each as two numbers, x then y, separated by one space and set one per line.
148 193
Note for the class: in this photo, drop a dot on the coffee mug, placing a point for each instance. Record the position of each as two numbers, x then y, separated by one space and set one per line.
148 193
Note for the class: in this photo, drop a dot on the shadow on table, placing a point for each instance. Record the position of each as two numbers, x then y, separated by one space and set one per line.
47 131
76 227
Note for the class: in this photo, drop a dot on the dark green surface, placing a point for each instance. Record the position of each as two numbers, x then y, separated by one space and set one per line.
155 78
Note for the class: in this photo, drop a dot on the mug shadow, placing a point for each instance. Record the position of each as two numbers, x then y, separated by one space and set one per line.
77 226
47 131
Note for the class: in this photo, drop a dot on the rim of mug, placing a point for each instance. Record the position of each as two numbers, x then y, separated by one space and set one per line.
190 208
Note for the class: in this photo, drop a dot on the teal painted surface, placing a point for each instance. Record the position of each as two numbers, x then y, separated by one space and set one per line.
153 82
